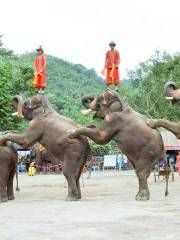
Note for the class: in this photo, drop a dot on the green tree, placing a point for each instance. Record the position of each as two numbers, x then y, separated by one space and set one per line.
147 92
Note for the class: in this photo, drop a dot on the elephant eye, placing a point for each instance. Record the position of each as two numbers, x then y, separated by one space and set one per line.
25 105
98 105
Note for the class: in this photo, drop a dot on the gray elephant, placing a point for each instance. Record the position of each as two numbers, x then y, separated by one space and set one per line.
8 163
41 156
50 129
172 93
142 145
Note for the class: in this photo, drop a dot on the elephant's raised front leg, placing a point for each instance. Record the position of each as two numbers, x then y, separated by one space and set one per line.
25 139
171 126
100 135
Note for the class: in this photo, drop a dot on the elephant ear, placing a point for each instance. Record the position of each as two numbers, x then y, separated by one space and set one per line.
18 105
38 101
168 88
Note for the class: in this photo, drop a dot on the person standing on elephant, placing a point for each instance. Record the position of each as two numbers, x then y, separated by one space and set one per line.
39 79
112 61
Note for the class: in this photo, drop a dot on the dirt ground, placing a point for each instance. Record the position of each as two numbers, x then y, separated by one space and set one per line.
107 210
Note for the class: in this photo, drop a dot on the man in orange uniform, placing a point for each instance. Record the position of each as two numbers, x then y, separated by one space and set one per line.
112 61
40 71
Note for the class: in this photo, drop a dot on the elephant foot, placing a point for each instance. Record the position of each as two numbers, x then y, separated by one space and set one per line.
11 197
3 197
143 195
71 133
151 123
79 196
72 198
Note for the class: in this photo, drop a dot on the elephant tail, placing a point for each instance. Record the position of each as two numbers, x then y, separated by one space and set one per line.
88 153
89 160
166 168
87 157
167 172
17 182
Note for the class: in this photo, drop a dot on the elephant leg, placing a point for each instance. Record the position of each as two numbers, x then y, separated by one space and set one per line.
3 192
74 160
72 187
10 190
71 171
171 126
143 171
79 176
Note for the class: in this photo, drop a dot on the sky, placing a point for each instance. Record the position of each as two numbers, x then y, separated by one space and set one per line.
79 30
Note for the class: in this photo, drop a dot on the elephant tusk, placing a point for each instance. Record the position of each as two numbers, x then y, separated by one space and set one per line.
16 114
87 111
169 98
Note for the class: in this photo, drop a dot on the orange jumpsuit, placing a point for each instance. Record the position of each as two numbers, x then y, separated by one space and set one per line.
111 62
40 72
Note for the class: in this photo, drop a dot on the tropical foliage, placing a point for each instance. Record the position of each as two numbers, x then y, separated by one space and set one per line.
146 92
14 79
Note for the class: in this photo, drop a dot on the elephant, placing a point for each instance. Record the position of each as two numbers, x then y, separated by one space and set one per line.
142 145
49 128
8 164
41 156
172 93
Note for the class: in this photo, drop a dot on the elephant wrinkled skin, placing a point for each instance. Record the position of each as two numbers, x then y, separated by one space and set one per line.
50 129
8 162
173 94
142 145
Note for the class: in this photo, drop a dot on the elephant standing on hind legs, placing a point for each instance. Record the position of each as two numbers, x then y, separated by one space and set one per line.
50 129
8 163
173 94
142 145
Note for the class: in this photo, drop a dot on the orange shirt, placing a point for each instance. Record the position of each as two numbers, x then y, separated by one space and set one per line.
112 58
41 148
40 63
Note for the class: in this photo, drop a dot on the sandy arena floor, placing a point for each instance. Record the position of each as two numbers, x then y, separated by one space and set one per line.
107 210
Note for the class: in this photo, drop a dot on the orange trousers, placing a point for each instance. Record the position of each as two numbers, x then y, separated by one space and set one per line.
39 81
112 78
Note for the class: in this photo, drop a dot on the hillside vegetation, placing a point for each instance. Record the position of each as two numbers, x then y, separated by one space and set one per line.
68 82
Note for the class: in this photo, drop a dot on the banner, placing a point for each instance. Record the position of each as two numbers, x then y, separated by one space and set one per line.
110 160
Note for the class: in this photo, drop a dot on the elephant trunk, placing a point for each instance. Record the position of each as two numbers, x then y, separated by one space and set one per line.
18 105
